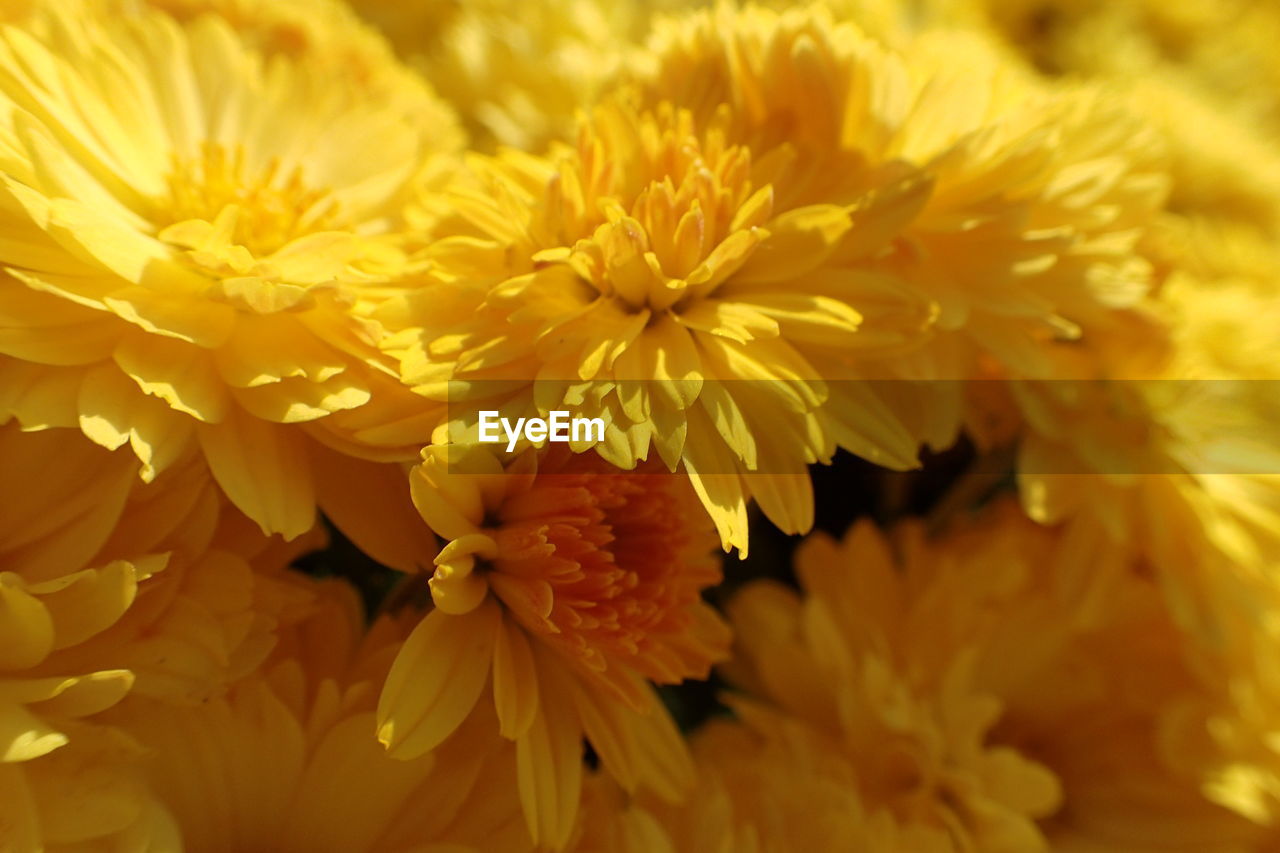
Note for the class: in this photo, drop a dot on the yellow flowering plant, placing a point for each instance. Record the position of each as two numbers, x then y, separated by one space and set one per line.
385 387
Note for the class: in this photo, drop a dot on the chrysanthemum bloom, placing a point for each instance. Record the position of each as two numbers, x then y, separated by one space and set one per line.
195 228
288 760
564 588
867 659
655 255
47 701
67 504
1222 169
1005 688
1038 194
789 790
1236 735
516 73
1205 93
1174 461
1223 49
612 820
328 33
108 586
790 209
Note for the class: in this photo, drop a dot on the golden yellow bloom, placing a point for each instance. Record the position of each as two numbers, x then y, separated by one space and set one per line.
1171 460
195 229
208 617
788 790
1222 48
108 586
88 795
1037 195
63 778
1005 688
563 589
653 255
614 821
811 211
516 72
288 760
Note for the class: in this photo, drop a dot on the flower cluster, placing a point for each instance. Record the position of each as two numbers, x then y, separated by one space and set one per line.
977 297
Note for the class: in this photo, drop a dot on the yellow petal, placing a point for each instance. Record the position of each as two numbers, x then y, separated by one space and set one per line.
263 470
436 679
26 627
515 681
549 764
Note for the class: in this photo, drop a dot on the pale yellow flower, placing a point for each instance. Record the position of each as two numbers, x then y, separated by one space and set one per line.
789 789
564 589
1037 196
288 759
791 209
1169 459
1004 688
195 229
516 72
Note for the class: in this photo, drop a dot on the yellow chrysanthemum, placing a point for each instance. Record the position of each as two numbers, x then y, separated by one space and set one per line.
195 228
107 587
1038 194
614 821
810 212
86 796
1221 47
654 256
563 589
288 760
67 504
1195 69
1006 688
1172 461
516 72
45 698
787 790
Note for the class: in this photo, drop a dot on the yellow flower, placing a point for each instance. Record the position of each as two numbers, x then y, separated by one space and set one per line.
787 790
188 630
288 760
1038 194
1007 687
63 777
653 256
790 209
869 660
1170 457
1223 49
87 795
613 821
108 587
516 72
563 589
195 229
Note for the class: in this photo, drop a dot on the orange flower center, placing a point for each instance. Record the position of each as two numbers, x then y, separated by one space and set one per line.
607 566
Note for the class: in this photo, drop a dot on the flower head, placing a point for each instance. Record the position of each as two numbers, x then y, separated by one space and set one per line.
564 587
196 257
649 277
1004 687
255 768
1027 234
517 74
775 209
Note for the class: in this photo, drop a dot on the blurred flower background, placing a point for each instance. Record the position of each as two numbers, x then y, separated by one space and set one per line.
938 504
